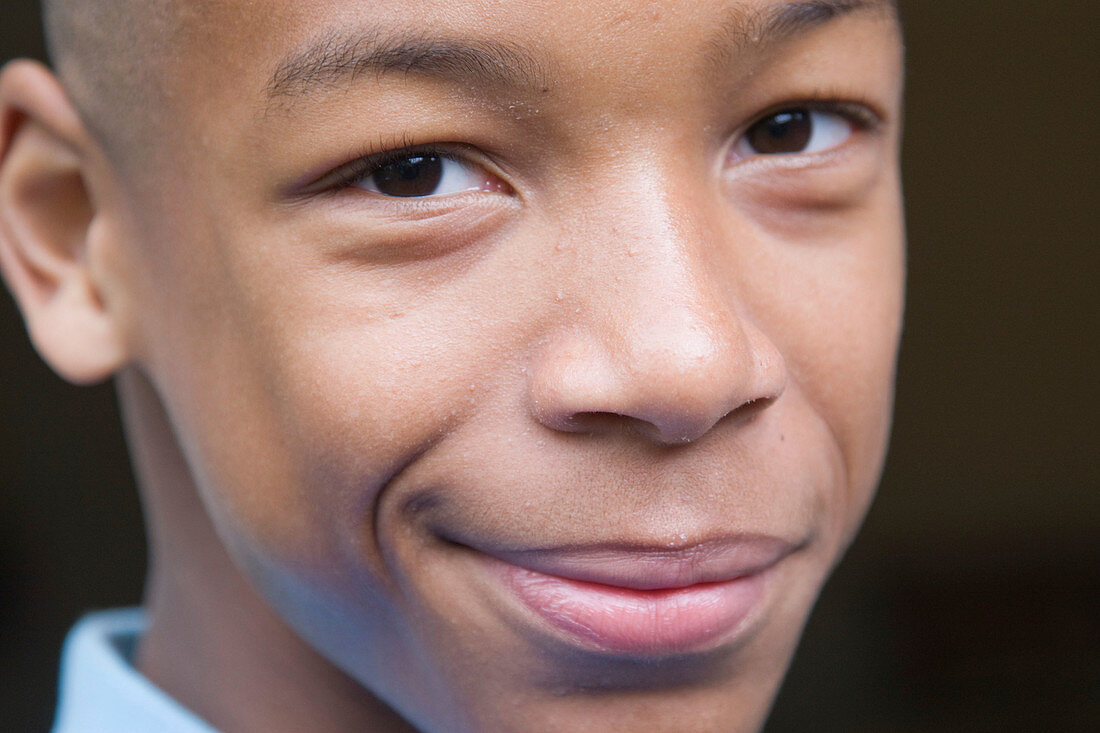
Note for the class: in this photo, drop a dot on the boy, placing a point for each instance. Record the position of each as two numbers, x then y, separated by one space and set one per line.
486 366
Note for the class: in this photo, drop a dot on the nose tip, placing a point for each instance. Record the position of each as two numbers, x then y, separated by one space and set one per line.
669 383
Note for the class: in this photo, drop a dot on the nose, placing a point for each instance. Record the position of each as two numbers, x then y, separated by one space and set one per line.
660 344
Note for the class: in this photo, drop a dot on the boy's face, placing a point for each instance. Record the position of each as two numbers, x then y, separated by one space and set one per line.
533 359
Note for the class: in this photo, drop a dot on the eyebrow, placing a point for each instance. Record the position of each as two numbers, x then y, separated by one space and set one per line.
791 18
773 24
337 58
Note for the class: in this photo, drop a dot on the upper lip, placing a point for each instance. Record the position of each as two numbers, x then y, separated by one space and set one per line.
644 566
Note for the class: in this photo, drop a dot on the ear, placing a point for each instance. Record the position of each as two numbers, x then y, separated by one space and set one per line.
48 242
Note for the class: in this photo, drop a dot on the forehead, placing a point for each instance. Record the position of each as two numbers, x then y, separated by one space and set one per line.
285 47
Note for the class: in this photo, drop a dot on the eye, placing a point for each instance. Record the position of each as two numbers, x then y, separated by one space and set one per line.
422 174
795 130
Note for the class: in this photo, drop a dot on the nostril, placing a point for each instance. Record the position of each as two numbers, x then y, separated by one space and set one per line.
607 423
669 430
754 407
601 422
672 424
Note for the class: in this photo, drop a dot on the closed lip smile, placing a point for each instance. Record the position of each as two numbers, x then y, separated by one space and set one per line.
640 599
652 567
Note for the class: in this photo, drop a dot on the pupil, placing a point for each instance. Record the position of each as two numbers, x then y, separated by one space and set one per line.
416 175
785 132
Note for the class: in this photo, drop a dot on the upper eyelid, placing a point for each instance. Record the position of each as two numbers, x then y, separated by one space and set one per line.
347 173
861 113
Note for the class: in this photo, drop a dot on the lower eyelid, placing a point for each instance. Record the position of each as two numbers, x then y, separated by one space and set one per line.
397 210
831 175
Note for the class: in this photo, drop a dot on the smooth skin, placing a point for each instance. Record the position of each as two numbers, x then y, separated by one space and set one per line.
620 322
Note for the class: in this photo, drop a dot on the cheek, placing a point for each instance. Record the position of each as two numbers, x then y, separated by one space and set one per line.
833 305
848 365
344 392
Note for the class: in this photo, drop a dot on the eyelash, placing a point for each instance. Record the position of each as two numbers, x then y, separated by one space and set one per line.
377 155
860 113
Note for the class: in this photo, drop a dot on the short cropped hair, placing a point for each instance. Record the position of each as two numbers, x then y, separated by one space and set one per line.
109 55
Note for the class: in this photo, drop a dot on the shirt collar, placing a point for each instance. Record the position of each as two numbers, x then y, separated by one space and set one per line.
102 691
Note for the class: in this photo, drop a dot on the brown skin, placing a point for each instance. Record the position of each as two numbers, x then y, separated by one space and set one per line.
633 334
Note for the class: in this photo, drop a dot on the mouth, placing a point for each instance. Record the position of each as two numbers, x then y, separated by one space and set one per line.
640 600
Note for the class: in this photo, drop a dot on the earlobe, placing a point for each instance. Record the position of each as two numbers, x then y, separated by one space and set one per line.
48 228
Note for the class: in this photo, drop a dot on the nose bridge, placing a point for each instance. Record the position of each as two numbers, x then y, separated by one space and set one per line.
662 308
659 338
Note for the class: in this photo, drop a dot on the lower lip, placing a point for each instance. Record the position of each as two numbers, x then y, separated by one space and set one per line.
639 622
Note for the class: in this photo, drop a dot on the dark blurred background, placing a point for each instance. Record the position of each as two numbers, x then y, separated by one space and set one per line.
970 601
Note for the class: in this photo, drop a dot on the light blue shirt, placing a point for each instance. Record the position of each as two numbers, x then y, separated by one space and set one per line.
102 691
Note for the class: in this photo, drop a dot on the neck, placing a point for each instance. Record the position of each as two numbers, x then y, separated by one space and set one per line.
213 643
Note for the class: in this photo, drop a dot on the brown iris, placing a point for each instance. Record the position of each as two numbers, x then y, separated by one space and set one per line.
788 131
